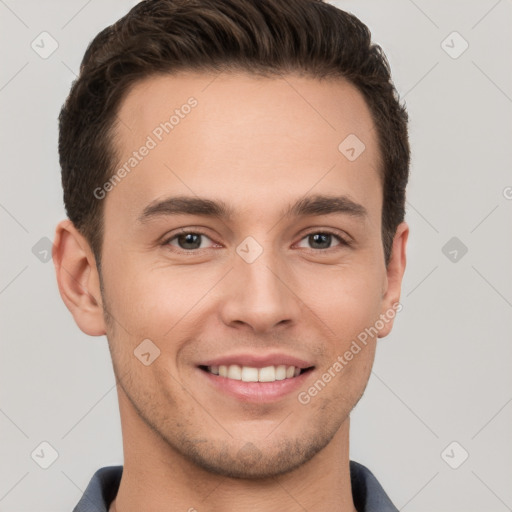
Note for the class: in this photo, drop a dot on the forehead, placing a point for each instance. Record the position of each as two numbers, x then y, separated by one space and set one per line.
244 139
243 99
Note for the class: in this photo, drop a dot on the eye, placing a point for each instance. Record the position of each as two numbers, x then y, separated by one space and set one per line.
195 240
188 240
323 240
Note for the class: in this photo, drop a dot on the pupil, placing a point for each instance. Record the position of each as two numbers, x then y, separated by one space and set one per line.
319 238
190 238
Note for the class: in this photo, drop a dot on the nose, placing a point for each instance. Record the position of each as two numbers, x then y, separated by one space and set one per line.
260 296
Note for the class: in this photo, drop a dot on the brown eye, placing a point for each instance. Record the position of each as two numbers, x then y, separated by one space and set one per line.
323 240
188 241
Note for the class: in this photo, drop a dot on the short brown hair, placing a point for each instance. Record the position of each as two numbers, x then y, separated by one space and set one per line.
266 37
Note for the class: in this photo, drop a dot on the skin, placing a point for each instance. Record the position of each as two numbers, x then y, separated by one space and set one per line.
259 144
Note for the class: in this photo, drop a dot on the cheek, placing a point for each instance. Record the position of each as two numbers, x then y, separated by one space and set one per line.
156 302
347 299
349 306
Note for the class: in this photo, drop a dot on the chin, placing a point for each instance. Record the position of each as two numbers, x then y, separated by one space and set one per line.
251 462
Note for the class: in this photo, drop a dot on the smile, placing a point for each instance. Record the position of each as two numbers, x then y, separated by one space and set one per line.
253 374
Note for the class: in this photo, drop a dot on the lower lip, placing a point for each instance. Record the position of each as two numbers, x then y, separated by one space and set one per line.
261 392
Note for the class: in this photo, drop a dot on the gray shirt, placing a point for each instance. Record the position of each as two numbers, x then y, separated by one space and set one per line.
367 493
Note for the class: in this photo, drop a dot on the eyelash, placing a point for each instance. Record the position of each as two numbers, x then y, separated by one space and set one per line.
343 241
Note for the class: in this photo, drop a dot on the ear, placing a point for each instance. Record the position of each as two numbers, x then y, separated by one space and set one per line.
394 274
78 278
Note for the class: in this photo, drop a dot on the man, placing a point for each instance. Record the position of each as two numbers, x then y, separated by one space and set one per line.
234 174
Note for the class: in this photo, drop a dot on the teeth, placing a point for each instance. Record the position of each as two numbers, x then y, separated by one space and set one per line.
267 374
250 374
235 372
281 372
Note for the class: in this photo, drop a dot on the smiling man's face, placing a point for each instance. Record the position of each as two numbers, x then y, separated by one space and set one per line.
258 283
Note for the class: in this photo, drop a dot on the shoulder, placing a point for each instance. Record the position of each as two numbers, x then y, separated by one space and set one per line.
367 493
101 490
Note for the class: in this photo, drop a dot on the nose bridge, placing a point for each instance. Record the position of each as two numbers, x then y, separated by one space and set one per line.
263 278
261 295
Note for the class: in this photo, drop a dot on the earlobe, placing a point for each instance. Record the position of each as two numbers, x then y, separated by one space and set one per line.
394 274
78 279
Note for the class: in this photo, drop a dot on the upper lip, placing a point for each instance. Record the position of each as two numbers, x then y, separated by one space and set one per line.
258 360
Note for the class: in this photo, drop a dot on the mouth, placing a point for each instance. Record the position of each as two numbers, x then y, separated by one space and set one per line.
243 373
256 378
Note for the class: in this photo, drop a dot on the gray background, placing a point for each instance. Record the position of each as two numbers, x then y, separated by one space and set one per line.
442 376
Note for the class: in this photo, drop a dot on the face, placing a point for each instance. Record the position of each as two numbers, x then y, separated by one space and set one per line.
224 308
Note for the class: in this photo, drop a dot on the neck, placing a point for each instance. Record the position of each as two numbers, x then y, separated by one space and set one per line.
158 478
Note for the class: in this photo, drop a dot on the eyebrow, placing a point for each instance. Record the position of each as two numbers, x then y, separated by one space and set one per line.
307 206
